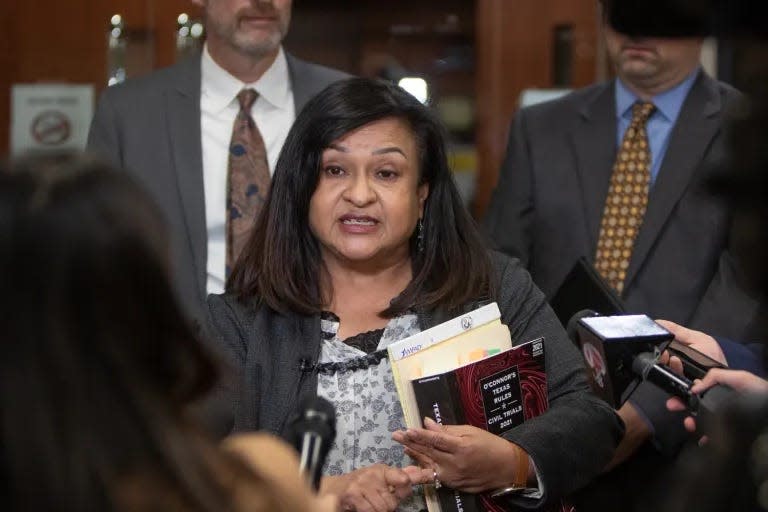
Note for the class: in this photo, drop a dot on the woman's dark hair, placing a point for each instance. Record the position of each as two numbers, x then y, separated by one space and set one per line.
281 263
98 361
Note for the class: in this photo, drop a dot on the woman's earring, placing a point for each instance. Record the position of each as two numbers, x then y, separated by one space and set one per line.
420 236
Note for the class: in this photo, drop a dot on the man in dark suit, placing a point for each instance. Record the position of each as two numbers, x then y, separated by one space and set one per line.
562 186
549 201
172 129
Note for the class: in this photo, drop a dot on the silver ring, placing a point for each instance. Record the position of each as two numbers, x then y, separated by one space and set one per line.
436 480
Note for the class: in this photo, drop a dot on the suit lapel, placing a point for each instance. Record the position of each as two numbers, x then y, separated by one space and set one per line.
698 123
299 342
183 116
302 89
594 145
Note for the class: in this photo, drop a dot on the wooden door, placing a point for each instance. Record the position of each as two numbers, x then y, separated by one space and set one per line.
518 48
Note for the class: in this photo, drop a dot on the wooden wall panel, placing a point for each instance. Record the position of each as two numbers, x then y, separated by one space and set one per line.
56 41
514 44
51 40
165 14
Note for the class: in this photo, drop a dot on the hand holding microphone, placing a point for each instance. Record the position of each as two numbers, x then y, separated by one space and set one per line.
696 340
274 462
737 380
625 347
700 400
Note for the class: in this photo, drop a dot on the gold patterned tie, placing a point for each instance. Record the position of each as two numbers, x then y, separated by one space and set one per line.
627 200
247 177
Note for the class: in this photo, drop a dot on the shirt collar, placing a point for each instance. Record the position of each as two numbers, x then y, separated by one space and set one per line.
668 103
220 88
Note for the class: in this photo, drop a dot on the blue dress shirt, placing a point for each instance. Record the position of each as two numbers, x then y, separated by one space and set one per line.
668 105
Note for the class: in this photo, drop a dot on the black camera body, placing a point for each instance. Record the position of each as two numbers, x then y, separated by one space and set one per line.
623 350
610 345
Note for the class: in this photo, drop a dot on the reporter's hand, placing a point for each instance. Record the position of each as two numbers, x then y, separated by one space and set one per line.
674 404
464 457
377 488
274 461
738 380
675 363
697 340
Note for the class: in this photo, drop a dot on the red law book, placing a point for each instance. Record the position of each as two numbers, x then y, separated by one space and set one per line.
496 393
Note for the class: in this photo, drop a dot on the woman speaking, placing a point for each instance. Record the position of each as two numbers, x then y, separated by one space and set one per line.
364 241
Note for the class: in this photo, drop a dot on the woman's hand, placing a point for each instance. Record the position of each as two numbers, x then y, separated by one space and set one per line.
464 457
377 488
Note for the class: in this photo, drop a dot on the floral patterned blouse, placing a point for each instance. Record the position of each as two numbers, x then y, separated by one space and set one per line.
358 381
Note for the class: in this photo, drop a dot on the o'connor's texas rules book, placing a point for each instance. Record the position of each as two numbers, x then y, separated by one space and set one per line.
496 394
466 372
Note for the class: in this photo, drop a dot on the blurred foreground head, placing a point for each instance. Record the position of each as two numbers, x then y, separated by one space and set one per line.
746 183
98 362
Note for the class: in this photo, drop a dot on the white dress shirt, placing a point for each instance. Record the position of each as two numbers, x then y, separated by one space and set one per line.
274 113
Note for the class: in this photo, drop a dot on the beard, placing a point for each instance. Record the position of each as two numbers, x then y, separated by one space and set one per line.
249 40
255 47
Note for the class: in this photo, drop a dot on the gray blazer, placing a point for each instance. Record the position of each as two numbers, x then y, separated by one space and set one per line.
548 203
570 444
150 126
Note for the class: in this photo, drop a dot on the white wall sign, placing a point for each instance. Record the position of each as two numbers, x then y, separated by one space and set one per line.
50 116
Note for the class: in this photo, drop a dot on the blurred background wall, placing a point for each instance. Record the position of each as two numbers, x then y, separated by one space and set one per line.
476 57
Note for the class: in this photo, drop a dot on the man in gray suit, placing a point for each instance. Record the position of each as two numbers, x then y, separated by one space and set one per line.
172 128
550 202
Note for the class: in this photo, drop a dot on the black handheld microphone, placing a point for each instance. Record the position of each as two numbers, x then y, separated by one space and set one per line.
312 433
709 401
646 367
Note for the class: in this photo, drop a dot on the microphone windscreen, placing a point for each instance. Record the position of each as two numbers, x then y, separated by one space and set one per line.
312 433
642 363
315 415
573 332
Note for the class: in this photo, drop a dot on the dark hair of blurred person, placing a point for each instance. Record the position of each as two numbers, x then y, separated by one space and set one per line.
282 262
746 188
729 473
99 365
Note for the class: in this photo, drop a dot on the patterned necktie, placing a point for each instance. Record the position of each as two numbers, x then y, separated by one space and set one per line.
626 201
247 177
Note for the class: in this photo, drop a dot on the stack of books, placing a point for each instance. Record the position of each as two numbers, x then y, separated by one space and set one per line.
466 372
